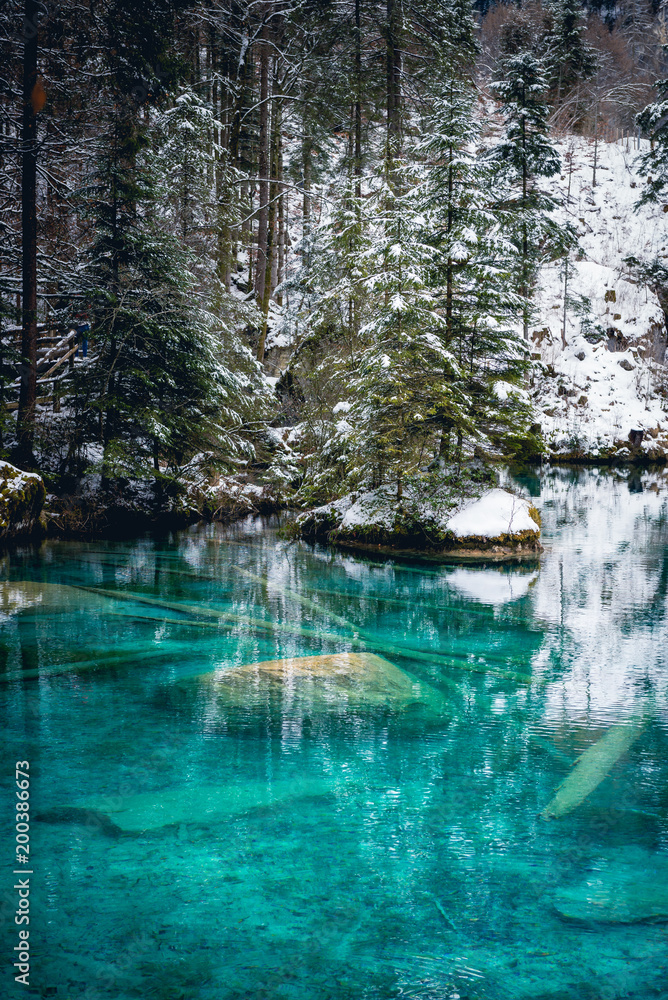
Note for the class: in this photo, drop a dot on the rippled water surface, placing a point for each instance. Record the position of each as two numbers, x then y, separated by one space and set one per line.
350 828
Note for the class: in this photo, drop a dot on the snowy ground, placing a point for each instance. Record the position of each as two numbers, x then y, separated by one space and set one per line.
589 396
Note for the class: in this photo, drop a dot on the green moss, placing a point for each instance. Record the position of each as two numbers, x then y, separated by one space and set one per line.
534 513
22 497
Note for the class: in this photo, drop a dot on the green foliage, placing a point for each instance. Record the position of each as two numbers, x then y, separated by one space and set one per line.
569 59
156 390
525 155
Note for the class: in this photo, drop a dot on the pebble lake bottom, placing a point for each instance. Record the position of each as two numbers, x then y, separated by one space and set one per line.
197 838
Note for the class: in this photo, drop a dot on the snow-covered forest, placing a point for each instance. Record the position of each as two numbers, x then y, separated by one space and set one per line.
276 251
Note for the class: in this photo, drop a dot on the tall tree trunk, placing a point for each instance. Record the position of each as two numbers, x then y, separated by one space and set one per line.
306 180
357 170
275 188
449 332
270 252
280 256
263 168
31 103
563 325
393 70
524 291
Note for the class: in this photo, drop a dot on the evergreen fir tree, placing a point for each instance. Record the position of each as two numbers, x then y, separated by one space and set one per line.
569 60
653 121
525 155
155 390
470 272
409 381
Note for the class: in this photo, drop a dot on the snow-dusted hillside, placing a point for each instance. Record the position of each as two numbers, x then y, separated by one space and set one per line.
590 395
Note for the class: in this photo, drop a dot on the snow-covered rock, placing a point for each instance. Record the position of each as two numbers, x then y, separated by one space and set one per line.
496 513
22 496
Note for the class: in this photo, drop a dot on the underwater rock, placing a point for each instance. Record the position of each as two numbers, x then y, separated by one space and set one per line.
194 804
336 681
630 897
22 496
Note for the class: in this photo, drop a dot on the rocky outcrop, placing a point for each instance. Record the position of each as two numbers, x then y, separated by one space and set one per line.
22 496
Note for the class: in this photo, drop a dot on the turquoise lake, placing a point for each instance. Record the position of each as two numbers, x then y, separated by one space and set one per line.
274 833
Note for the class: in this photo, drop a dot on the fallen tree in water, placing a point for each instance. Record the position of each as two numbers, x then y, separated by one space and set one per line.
593 766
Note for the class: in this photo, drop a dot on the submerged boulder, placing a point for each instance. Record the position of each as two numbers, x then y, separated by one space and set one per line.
309 685
331 682
22 496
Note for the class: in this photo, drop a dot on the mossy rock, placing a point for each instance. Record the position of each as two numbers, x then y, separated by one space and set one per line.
22 496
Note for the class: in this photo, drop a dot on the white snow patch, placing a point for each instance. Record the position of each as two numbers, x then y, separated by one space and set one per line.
497 512
588 395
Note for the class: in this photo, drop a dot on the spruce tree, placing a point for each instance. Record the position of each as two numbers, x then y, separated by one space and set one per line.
469 274
155 390
409 382
524 155
569 60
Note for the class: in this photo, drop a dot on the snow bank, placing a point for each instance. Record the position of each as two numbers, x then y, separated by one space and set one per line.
608 379
496 513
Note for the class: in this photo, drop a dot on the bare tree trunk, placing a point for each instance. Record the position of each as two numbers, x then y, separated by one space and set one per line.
393 69
31 104
306 186
563 325
593 179
280 256
270 251
275 199
263 168
357 170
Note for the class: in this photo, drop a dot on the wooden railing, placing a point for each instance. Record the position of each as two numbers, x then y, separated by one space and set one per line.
56 347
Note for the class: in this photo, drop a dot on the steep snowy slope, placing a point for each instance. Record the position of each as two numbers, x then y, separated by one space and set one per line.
610 378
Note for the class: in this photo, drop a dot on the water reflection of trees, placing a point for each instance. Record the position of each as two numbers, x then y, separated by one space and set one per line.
603 589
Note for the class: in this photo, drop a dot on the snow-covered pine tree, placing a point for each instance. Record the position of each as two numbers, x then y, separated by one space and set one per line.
469 274
407 382
155 390
185 156
569 60
524 155
653 122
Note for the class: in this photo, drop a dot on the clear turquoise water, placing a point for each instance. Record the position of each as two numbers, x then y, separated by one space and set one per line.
408 859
